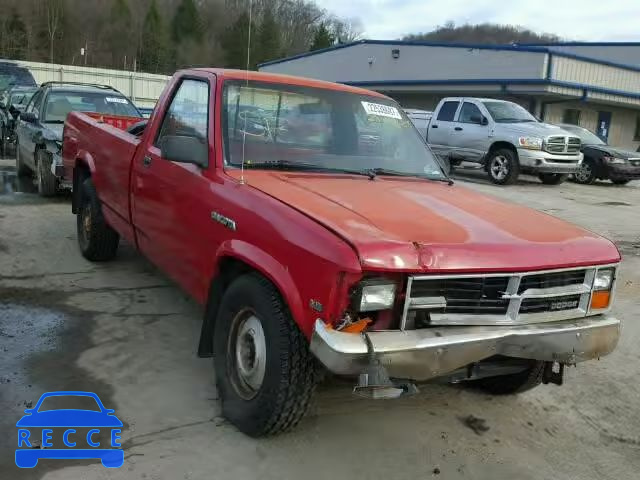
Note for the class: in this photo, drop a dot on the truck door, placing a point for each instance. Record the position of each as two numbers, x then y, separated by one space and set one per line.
170 199
470 133
439 136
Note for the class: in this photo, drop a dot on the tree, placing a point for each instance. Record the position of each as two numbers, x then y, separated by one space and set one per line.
345 30
482 33
235 41
268 38
186 23
118 32
322 38
14 36
153 50
55 12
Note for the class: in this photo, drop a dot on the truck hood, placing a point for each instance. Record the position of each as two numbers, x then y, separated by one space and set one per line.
533 129
420 225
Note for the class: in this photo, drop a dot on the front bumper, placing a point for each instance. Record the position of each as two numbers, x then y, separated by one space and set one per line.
624 172
432 352
545 162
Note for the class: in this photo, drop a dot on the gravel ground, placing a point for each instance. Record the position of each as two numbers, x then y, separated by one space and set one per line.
124 331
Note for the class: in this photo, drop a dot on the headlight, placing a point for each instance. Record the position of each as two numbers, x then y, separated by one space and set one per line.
603 280
373 295
614 160
532 143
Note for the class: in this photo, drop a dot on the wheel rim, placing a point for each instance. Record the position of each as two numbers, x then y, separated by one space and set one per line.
247 354
499 167
584 173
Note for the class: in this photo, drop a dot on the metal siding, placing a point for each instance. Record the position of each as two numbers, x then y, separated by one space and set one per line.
596 75
627 54
415 63
143 88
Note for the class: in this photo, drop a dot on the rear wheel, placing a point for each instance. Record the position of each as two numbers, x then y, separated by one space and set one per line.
47 181
620 181
97 240
512 383
265 372
552 178
586 173
503 166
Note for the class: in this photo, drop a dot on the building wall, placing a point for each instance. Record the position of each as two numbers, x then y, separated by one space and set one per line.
625 54
623 120
375 62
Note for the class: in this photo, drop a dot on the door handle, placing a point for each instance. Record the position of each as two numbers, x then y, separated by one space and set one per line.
434 126
457 129
146 161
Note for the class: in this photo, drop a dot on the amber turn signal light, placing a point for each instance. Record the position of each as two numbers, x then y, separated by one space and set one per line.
600 299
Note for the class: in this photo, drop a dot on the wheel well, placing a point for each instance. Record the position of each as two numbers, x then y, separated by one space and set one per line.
80 173
229 268
496 146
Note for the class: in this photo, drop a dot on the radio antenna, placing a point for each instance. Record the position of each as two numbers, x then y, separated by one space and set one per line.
244 130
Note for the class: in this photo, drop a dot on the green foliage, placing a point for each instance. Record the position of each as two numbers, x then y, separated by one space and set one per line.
482 33
186 23
234 41
153 54
322 38
268 38
15 38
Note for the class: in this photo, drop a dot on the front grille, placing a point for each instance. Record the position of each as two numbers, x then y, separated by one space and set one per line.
562 145
474 295
550 280
507 299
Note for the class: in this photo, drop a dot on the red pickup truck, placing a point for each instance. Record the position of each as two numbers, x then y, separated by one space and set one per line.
322 234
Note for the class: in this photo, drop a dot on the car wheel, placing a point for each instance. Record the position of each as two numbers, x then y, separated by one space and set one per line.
512 383
47 181
265 373
586 173
620 181
552 178
22 169
98 242
503 167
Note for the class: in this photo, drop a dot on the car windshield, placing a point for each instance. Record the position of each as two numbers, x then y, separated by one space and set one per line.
586 137
66 402
21 97
507 112
14 75
59 104
290 127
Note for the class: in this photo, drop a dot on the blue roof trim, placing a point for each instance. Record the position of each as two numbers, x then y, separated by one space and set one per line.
497 81
582 44
310 54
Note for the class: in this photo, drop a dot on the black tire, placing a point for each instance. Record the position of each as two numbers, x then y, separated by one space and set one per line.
47 181
620 181
98 242
552 178
22 169
513 383
503 166
289 379
586 173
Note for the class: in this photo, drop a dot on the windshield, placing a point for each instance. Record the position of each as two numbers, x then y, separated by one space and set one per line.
320 129
507 112
59 104
21 97
586 137
14 75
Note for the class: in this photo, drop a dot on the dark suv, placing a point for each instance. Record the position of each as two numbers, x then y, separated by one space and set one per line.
39 130
12 102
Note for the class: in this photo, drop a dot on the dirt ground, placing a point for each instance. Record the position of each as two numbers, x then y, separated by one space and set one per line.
123 331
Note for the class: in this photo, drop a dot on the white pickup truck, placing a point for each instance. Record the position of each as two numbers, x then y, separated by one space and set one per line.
504 138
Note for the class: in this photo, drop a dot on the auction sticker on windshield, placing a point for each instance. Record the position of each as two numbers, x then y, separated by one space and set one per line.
116 100
381 110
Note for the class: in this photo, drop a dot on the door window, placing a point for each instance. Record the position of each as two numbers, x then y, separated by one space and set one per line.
188 113
34 105
470 113
448 111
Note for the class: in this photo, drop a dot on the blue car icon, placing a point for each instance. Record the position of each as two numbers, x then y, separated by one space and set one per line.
28 456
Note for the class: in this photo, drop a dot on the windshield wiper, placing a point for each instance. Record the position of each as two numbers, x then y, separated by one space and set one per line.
309 167
396 173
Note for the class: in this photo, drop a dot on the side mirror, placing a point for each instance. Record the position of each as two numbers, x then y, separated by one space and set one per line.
484 120
476 119
184 149
29 117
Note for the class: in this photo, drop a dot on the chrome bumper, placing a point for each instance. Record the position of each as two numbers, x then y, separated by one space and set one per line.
546 162
432 352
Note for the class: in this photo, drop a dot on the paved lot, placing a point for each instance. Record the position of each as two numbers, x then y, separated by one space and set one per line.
125 332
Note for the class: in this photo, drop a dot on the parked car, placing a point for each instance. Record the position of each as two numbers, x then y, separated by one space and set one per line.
504 138
420 120
39 130
12 74
145 111
12 102
602 161
317 249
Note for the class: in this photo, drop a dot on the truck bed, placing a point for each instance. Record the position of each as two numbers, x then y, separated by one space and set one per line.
105 145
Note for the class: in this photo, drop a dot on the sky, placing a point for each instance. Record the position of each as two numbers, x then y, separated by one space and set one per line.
581 20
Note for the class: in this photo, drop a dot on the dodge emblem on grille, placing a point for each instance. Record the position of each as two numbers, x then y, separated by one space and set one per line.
563 305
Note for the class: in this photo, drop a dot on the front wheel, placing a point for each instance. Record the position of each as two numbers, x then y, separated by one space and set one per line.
265 373
512 383
552 178
503 166
98 242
